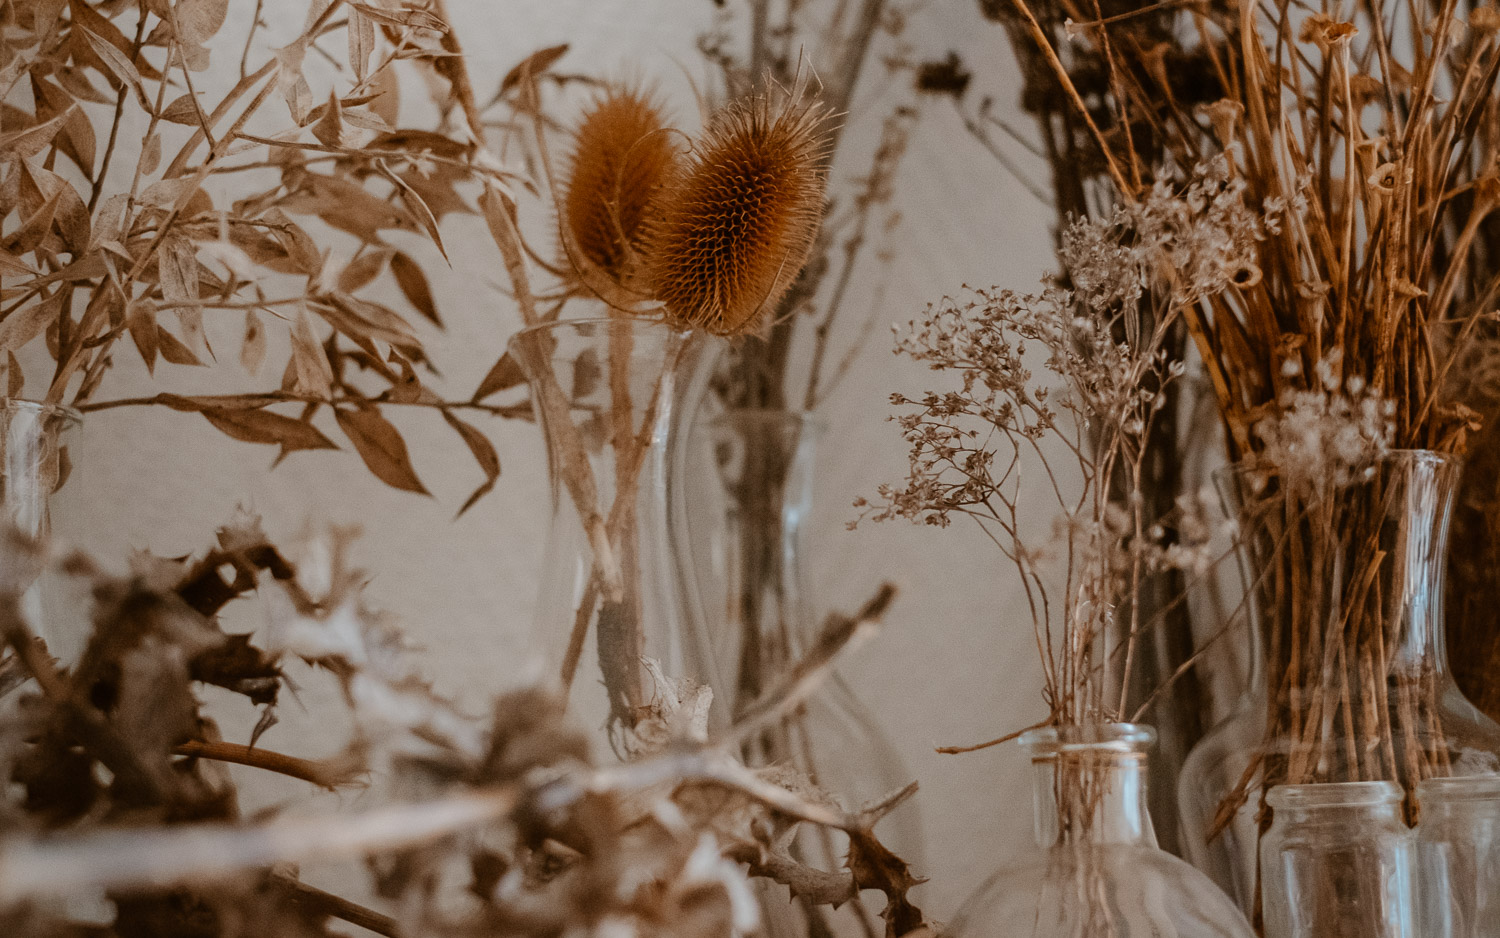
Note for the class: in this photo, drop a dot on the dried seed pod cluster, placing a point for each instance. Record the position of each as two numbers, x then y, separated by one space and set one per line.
623 152
719 233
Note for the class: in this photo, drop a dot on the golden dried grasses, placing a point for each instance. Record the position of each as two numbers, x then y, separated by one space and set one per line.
623 151
736 224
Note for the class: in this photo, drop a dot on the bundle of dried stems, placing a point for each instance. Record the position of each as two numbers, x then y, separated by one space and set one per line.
1369 148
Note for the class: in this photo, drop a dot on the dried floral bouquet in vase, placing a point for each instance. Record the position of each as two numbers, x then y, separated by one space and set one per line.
761 414
1076 430
1365 139
102 256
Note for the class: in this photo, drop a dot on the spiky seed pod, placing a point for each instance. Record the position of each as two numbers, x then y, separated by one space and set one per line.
738 220
622 152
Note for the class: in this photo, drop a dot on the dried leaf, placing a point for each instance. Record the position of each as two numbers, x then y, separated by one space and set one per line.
359 318
173 350
483 452
15 378
364 268
151 155
118 65
403 16
76 81
361 42
265 426
177 265
413 284
77 137
504 374
70 215
181 110
140 317
26 323
199 20
329 129
30 141
418 208
110 216
34 227
347 206
530 67
253 349
291 82
312 374
381 447
385 97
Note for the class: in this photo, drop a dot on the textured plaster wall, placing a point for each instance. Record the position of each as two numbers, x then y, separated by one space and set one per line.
956 663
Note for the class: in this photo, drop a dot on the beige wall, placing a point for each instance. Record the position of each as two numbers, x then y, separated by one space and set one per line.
956 662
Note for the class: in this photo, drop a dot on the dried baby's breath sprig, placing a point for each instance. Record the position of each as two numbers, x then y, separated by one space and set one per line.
739 219
622 153
1101 390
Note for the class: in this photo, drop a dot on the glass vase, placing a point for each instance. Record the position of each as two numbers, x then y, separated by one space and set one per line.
1096 871
618 624
763 625
1337 862
33 466
1344 592
1458 858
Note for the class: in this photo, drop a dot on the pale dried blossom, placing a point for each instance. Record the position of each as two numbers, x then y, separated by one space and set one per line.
1326 436
1103 349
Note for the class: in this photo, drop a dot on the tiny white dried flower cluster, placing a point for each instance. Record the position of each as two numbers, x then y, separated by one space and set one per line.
1108 337
1330 434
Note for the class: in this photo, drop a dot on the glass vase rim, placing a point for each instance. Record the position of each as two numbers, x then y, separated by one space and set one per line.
1046 742
634 323
1459 789
1314 795
71 416
1394 455
771 415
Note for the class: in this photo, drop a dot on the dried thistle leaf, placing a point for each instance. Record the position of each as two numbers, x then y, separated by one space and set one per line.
733 230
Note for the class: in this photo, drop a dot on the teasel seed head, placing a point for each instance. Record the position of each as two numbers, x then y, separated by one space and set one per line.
738 220
622 153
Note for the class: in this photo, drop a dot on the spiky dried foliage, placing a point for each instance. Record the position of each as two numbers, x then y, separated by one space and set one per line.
856 51
734 227
622 154
116 783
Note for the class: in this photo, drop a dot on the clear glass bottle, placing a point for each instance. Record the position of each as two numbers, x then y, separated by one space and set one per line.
33 465
1344 590
1337 862
1458 858
618 623
761 624
1097 871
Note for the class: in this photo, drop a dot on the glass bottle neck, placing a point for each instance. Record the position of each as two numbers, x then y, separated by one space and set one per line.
1091 798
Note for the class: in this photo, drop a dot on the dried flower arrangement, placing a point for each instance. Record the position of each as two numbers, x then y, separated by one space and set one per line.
645 228
973 448
1359 148
1357 304
517 832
